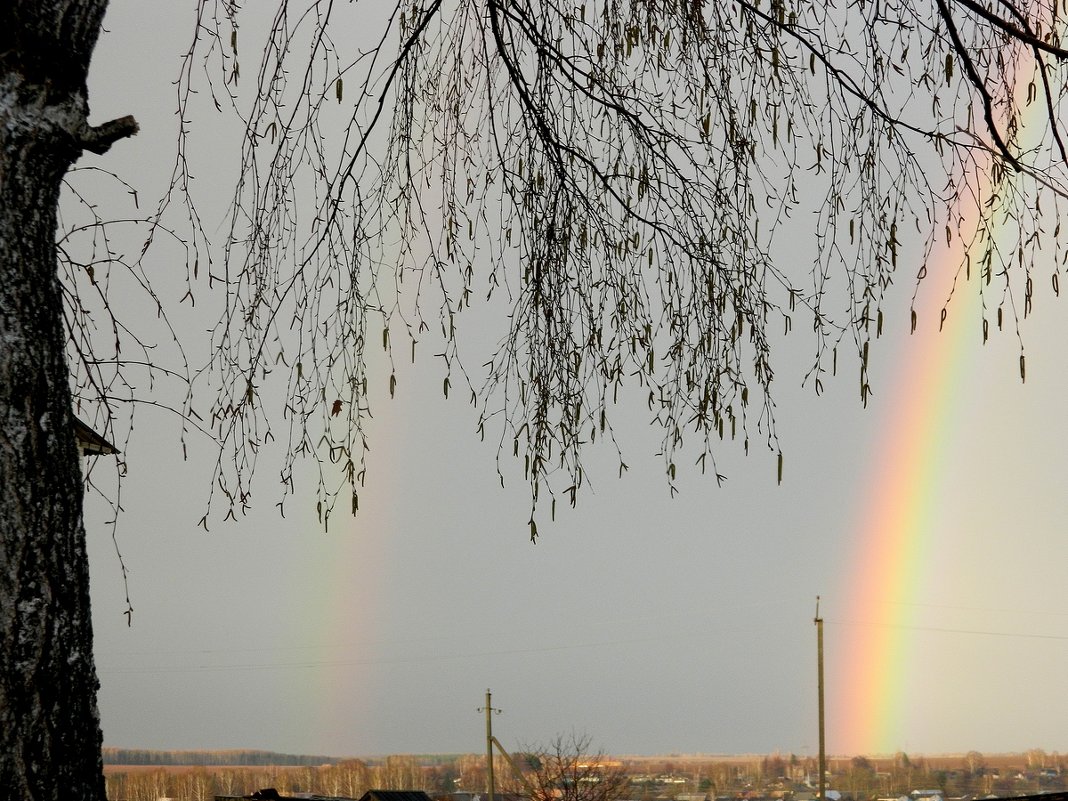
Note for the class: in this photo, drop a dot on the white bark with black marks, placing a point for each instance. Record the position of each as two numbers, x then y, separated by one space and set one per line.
49 725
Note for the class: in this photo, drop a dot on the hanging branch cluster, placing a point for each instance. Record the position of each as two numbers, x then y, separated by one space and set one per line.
647 194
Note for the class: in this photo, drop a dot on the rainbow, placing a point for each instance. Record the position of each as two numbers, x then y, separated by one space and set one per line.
900 529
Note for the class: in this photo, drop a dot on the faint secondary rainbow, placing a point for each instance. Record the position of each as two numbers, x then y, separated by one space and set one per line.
341 683
900 533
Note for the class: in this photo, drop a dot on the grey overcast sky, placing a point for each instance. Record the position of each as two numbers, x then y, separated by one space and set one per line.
931 523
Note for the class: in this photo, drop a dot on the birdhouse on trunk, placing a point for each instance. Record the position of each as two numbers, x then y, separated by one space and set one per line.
90 443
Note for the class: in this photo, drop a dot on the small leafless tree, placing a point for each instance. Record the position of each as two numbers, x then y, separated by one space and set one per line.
567 769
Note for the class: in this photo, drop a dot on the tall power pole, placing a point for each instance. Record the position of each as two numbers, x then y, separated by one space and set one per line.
489 710
819 680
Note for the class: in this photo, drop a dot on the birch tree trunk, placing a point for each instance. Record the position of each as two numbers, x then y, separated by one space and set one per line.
49 726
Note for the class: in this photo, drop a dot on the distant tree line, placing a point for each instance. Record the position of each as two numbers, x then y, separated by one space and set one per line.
564 773
138 756
347 778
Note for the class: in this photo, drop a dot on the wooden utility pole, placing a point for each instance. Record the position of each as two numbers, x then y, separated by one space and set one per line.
819 680
493 741
489 710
